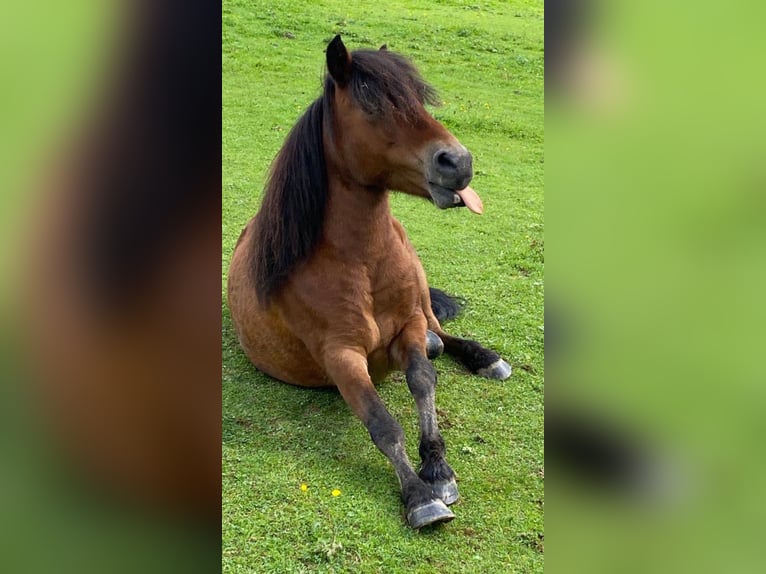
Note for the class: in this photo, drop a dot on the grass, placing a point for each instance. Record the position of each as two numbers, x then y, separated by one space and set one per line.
486 58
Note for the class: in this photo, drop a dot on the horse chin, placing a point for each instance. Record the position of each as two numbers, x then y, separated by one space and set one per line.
443 197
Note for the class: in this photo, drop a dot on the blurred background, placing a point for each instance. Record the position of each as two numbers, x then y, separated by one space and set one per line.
110 301
655 214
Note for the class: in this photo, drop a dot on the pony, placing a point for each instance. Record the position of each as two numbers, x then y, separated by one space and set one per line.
325 288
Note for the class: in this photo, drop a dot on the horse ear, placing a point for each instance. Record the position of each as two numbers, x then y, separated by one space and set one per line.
339 61
384 47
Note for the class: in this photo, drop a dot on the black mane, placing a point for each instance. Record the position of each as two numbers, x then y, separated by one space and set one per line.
289 224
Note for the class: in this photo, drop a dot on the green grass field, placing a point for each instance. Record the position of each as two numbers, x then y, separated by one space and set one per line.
486 59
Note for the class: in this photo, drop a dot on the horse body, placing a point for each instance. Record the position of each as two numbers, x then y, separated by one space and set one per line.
324 286
361 294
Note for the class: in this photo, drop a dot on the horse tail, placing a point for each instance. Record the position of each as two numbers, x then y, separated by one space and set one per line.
444 306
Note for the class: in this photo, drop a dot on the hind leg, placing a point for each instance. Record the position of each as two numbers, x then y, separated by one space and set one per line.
434 345
477 359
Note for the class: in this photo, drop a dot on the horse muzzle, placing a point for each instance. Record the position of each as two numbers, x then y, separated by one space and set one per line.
450 171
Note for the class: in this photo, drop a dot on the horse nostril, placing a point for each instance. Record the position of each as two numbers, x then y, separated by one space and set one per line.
447 160
452 166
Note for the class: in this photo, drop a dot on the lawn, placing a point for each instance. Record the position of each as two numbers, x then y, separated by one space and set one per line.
486 60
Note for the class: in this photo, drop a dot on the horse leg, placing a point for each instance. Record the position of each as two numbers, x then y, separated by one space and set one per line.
410 354
348 370
434 345
479 360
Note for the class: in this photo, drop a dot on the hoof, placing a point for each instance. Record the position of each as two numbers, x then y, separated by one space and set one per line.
499 370
446 490
434 345
432 512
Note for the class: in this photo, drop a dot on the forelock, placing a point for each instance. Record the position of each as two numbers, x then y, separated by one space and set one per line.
387 84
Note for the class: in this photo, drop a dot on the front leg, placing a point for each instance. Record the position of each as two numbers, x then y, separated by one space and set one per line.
410 354
347 368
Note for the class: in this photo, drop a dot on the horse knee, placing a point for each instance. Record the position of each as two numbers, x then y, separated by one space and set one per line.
421 376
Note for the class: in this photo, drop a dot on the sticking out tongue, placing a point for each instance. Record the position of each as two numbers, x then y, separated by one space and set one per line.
471 199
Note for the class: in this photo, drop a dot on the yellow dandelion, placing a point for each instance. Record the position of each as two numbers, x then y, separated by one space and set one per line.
336 492
304 487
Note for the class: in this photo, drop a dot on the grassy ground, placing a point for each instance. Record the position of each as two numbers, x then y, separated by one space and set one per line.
486 58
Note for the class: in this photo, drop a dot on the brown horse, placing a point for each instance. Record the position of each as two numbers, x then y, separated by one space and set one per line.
324 286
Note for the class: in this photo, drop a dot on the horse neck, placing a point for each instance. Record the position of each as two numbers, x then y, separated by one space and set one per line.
358 219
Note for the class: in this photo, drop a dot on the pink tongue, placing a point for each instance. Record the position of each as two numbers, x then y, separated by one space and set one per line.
471 200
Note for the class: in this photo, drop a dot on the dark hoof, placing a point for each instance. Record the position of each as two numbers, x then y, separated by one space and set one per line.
499 370
432 512
446 490
434 345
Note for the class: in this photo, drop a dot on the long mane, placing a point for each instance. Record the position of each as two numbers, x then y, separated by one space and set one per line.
289 224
